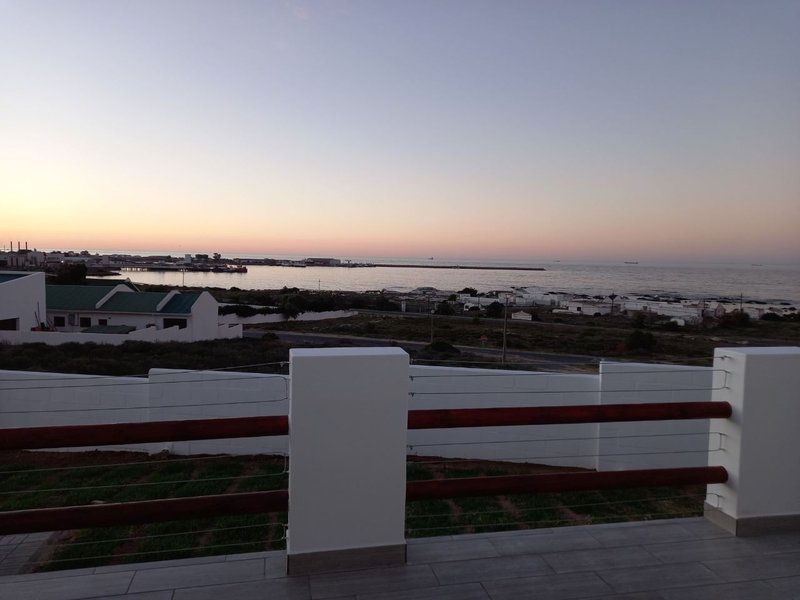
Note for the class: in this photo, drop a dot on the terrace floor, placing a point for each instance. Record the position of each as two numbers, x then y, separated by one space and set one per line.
657 560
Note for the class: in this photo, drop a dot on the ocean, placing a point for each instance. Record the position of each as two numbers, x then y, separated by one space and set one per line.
756 282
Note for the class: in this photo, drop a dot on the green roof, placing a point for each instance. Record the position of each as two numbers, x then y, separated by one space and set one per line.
86 297
74 297
181 304
11 276
137 302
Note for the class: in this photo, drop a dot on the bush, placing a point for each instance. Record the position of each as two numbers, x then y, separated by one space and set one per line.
495 310
445 308
771 316
736 318
442 347
641 341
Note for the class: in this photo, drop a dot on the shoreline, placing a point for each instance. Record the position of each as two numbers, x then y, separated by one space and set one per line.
466 267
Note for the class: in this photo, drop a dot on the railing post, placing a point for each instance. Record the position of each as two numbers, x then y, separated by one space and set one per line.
760 448
348 412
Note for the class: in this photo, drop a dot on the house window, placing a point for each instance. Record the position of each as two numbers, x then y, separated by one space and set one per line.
102 322
181 323
86 322
59 322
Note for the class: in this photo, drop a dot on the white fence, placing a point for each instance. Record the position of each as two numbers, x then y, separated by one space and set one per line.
278 318
149 334
32 399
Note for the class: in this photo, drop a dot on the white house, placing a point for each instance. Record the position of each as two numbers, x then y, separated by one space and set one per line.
588 307
31 311
22 300
119 309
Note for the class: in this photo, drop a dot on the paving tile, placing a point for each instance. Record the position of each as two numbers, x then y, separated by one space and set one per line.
197 575
660 577
774 543
450 550
295 588
369 581
599 558
161 595
469 591
51 575
786 584
252 555
548 587
431 540
749 590
67 588
702 550
643 534
635 596
487 569
756 567
160 564
704 529
537 544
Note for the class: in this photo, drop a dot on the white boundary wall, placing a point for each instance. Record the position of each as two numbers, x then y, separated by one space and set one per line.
29 399
278 318
150 334
174 395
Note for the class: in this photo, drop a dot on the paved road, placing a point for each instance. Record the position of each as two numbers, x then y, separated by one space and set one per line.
517 356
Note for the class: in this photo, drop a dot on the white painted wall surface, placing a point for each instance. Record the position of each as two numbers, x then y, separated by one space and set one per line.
204 317
761 453
654 444
23 298
29 399
347 417
445 387
277 318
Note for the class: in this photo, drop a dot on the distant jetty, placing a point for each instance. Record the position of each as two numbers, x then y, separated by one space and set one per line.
471 267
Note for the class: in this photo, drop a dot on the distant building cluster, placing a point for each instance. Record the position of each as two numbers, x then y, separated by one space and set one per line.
682 311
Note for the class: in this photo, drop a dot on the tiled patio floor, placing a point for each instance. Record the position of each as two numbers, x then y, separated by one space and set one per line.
681 559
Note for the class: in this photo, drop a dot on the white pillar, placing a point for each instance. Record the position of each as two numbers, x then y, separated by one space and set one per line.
761 450
348 413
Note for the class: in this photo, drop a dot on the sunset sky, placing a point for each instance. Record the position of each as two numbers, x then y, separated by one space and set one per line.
525 130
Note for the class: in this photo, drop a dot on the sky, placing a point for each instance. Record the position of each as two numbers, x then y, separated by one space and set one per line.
525 130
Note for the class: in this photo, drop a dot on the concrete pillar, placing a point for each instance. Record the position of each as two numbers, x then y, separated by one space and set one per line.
348 413
761 450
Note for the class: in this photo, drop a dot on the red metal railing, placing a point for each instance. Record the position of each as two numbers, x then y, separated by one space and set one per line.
562 482
148 511
74 436
558 415
72 517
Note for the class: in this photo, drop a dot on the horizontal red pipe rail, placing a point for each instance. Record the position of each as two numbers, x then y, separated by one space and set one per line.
148 511
562 482
73 436
552 415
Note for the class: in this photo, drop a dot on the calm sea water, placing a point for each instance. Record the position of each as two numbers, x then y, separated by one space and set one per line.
765 282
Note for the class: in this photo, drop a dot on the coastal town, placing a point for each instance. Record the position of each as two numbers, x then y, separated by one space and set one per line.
59 297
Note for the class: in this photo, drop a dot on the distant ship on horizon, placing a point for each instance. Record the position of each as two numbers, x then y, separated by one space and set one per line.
631 262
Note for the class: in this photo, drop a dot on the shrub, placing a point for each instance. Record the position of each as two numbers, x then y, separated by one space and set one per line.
641 341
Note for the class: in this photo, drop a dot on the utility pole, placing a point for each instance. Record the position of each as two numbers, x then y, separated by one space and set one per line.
430 312
505 329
